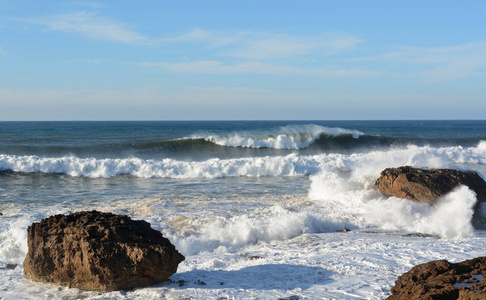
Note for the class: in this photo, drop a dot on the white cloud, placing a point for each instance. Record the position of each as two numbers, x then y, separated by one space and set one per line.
95 61
51 98
217 67
273 48
250 50
90 25
225 103
90 4
283 46
250 45
443 63
141 103
203 36
265 45
451 62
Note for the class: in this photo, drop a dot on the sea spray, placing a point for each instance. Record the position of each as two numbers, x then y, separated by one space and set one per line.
449 217
345 191
223 235
13 239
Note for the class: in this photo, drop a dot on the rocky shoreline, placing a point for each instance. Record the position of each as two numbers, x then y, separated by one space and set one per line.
99 251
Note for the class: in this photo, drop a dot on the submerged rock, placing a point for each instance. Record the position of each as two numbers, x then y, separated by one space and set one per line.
427 185
441 279
9 267
98 251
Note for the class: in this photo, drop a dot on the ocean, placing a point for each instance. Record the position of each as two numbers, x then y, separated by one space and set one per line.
257 208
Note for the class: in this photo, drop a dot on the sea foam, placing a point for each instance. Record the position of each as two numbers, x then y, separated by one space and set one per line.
342 194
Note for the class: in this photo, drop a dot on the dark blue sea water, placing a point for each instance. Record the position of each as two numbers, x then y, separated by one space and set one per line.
195 140
222 190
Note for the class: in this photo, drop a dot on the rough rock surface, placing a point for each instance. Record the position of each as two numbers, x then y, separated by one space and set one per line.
98 251
441 279
427 185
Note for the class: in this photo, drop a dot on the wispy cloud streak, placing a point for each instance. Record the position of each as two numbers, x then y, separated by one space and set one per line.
283 46
265 46
90 25
442 63
218 67
90 4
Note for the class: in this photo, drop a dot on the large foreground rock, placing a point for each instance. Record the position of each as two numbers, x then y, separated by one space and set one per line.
441 279
98 251
427 185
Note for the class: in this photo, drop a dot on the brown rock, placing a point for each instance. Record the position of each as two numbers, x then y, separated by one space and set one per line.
441 279
98 251
427 185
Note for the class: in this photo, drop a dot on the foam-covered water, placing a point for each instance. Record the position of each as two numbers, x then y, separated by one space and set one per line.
258 209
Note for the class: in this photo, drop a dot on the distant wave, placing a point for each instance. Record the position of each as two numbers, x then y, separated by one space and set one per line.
286 165
315 137
307 139
202 148
288 137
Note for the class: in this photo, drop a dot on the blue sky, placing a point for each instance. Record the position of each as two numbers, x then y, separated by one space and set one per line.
225 60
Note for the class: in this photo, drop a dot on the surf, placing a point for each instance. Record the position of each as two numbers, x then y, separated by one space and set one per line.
293 164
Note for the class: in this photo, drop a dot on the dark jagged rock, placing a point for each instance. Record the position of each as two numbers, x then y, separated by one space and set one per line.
441 279
427 185
98 251
9 267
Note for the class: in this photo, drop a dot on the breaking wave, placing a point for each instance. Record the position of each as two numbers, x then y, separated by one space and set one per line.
282 165
288 137
290 165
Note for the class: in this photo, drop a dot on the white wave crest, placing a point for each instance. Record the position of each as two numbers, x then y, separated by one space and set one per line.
364 164
482 146
288 137
290 165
